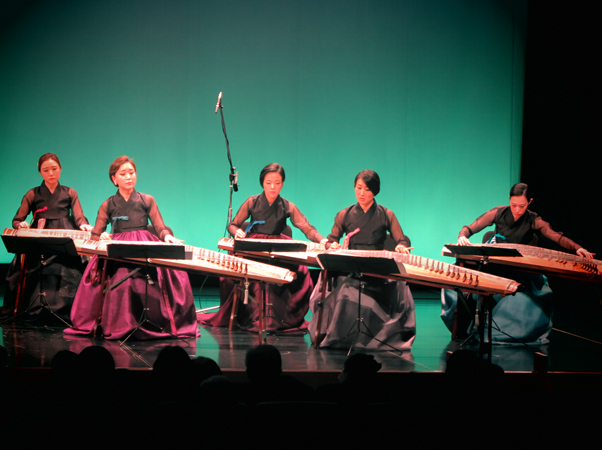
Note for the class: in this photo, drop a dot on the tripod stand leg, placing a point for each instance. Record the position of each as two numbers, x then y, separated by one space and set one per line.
262 314
317 337
21 283
485 327
234 307
359 321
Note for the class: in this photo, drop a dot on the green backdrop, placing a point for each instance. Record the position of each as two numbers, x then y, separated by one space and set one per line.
427 93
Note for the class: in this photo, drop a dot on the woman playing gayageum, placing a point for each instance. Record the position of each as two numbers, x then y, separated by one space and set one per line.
53 206
268 213
170 304
525 316
387 307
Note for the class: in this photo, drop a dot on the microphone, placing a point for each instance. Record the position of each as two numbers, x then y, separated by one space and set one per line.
219 102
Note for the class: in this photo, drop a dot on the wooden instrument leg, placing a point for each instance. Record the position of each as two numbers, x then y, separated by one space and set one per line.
21 284
234 307
263 300
100 296
317 337
485 313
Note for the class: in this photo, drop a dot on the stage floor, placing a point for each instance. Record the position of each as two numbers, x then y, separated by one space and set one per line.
32 347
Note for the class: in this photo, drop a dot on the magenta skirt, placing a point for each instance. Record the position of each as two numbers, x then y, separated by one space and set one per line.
289 302
171 309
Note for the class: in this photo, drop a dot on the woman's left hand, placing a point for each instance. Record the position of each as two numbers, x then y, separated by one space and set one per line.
172 240
86 227
401 249
585 254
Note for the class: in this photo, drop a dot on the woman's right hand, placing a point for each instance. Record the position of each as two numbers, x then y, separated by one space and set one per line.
585 254
334 246
240 234
23 224
105 236
463 241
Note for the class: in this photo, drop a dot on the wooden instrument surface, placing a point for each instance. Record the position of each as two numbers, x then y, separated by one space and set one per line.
34 232
542 260
307 258
420 270
203 260
430 272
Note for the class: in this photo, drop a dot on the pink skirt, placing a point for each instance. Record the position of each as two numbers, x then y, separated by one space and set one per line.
171 311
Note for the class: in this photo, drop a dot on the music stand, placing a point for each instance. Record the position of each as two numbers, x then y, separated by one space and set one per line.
146 251
269 246
487 304
482 250
357 266
34 246
245 245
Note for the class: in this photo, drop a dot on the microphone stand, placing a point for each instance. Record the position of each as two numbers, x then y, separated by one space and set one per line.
233 175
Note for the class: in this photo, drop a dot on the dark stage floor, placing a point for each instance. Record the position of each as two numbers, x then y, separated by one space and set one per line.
34 347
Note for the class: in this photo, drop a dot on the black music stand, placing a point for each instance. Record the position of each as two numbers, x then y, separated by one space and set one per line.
357 267
40 246
267 245
483 316
122 251
484 251
245 245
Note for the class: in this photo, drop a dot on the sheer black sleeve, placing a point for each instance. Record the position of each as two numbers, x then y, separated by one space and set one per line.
24 209
155 216
76 208
481 222
301 222
337 229
543 227
102 220
241 216
396 231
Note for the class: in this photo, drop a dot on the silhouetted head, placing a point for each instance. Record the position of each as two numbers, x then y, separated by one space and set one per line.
264 364
172 364
360 368
64 365
204 368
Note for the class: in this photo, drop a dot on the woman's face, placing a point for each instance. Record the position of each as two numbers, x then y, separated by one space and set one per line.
518 206
272 183
364 196
125 178
51 172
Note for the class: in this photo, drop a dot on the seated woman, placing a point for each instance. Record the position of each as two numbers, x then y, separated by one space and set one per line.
525 316
269 212
170 303
53 206
387 307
